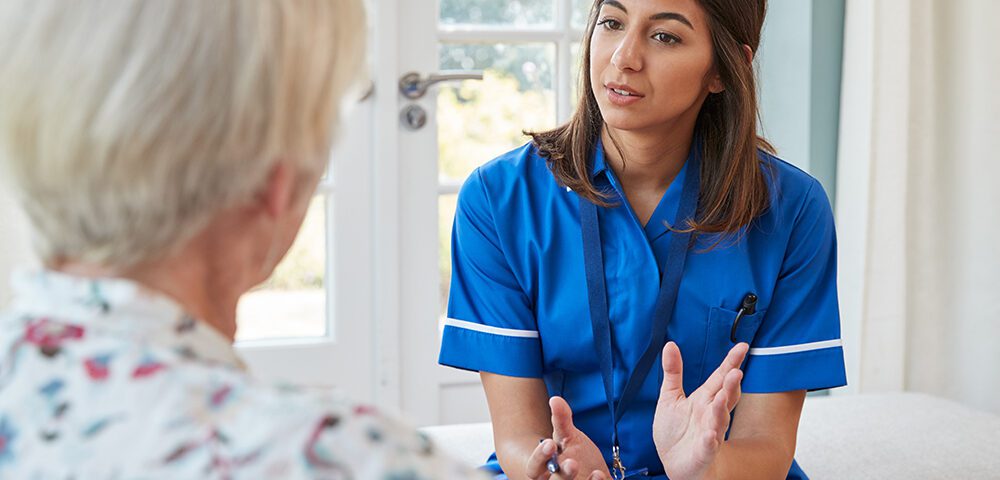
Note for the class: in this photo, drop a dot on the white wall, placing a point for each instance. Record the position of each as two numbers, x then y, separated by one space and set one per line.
917 213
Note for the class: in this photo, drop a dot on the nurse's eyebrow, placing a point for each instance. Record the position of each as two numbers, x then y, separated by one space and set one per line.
659 16
672 16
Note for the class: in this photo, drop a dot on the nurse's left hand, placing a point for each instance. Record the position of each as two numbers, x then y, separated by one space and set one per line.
579 457
689 431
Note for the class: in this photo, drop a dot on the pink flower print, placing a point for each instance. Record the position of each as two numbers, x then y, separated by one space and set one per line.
49 336
179 452
97 367
316 457
147 368
362 410
223 466
220 395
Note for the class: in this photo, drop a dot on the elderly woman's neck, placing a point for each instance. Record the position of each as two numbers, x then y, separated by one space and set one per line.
188 279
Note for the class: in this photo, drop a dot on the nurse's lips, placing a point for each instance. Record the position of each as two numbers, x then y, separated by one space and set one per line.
622 95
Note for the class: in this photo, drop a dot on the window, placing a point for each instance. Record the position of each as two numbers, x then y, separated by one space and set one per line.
529 52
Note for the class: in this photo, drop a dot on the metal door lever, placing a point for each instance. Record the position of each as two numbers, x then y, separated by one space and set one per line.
412 86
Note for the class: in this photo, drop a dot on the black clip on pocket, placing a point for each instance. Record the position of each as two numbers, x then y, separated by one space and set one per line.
747 307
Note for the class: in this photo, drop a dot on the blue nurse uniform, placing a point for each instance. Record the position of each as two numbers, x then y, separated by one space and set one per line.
519 305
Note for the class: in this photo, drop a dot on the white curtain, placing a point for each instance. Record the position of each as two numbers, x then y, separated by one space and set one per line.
918 201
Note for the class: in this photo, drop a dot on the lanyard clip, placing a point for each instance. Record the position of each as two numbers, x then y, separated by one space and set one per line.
617 468
747 307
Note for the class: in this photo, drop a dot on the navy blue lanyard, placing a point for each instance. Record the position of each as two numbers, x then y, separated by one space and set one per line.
670 282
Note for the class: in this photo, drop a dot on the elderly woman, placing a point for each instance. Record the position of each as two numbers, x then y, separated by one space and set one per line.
165 152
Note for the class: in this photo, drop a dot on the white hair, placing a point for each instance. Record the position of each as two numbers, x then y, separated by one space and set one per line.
127 124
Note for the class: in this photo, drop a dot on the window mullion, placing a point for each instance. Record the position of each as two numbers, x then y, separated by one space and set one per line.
563 60
498 35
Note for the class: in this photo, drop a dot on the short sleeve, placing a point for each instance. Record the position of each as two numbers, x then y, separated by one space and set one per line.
798 345
491 324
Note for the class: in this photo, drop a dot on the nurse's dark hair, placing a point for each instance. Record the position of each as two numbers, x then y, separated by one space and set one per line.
733 187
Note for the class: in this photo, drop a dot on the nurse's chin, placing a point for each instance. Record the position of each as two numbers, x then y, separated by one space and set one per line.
631 122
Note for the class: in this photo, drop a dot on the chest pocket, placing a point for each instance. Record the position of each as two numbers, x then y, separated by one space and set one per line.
720 328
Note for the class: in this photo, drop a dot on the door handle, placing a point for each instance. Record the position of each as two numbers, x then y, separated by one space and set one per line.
413 86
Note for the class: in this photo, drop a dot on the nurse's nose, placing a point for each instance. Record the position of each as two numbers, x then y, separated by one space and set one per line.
628 55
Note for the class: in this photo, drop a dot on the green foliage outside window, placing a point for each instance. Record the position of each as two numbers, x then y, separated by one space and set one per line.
476 123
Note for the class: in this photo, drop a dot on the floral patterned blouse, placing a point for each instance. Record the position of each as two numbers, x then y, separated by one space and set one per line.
104 379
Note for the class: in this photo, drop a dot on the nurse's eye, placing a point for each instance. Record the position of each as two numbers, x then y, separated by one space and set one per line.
610 24
666 38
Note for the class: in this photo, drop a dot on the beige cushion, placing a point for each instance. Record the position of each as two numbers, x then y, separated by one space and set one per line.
859 436
897 436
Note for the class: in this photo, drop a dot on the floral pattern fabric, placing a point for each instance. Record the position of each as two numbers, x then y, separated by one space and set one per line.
104 379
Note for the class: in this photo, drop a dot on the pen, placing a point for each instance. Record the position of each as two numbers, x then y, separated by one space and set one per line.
747 307
553 463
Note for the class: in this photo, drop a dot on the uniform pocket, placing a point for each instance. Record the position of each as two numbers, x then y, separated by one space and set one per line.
718 341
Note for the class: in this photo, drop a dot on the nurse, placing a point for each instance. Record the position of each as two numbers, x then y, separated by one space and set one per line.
655 228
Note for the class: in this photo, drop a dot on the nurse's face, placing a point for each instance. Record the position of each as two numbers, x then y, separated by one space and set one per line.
651 63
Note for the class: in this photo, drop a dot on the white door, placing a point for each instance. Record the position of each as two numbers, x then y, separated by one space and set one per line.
527 51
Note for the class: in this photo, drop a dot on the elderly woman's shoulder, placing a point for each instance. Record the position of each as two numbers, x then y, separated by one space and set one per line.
320 429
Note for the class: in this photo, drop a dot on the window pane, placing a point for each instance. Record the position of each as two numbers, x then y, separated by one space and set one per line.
292 303
581 12
497 13
479 120
446 217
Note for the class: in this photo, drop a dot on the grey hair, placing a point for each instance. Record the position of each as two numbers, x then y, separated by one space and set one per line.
125 125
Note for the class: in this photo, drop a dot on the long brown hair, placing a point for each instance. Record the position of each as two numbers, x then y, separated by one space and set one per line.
733 187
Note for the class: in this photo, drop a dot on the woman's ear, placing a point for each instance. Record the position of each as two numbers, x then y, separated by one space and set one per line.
715 83
278 193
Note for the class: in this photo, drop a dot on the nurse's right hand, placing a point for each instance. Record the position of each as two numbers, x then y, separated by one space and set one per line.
690 430
579 457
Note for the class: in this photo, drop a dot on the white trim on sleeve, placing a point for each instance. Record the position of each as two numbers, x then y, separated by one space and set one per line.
506 332
802 347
